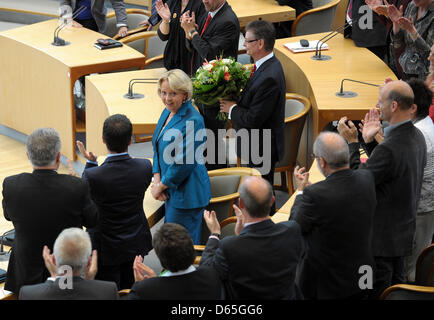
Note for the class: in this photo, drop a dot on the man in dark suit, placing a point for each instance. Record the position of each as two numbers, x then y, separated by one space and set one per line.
397 164
173 245
40 205
217 35
339 238
72 253
260 261
118 187
261 108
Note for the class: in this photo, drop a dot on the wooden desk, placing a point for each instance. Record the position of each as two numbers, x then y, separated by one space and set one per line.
320 80
37 78
270 10
105 97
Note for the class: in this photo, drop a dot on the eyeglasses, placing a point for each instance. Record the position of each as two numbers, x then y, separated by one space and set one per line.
250 41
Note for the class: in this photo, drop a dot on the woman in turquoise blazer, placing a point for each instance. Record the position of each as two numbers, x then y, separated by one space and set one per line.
180 176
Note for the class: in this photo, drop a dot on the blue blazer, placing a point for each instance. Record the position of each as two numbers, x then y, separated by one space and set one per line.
179 158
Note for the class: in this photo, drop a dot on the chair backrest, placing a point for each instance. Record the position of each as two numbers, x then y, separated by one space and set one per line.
224 191
316 20
425 267
408 292
296 110
227 226
134 16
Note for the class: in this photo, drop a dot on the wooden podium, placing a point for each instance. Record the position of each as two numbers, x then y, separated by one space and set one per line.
37 78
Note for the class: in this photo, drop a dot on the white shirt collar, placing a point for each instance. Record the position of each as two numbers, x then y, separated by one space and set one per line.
213 13
178 273
262 60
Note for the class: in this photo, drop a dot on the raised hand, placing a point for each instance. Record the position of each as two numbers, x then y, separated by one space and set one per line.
371 125
240 220
88 155
142 271
407 24
163 10
92 268
301 178
211 221
377 6
393 12
348 132
48 260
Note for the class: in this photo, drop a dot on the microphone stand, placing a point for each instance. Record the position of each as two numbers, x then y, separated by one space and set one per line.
351 94
130 94
59 42
326 38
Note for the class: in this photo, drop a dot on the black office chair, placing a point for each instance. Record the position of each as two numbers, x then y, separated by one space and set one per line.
7 239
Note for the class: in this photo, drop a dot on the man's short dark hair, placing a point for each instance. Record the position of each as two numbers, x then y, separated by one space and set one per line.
174 247
404 101
257 208
422 97
263 30
117 131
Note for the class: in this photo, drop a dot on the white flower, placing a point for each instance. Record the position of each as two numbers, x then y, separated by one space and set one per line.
227 61
226 69
208 66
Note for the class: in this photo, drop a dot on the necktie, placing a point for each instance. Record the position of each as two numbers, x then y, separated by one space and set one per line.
350 10
253 70
208 19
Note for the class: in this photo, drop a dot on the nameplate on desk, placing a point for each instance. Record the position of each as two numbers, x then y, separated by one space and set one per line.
296 46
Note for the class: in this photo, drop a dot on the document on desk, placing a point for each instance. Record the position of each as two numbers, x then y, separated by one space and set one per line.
296 46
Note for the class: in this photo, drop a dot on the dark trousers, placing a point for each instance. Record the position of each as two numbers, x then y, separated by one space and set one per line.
388 272
88 24
122 274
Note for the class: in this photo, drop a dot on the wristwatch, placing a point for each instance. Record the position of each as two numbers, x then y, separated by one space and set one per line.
216 235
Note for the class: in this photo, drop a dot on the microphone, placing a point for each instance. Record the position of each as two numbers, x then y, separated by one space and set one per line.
59 41
130 94
326 38
351 94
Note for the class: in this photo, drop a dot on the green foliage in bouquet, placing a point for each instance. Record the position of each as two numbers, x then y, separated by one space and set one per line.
219 79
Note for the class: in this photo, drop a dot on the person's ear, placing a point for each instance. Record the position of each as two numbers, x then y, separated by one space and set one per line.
241 204
58 157
131 141
413 109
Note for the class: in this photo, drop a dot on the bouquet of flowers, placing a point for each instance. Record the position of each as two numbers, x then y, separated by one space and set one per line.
219 79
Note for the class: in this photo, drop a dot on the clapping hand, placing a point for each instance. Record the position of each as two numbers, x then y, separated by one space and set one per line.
49 262
371 125
163 10
377 6
407 24
348 132
393 12
92 268
88 155
142 271
240 220
301 178
211 221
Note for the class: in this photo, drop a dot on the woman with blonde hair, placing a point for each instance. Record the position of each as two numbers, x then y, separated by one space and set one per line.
180 176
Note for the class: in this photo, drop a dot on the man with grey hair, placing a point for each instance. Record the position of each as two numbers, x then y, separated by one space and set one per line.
335 216
397 165
73 254
260 260
40 205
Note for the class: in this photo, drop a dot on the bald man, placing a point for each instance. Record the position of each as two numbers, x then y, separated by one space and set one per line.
260 261
397 165
339 239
